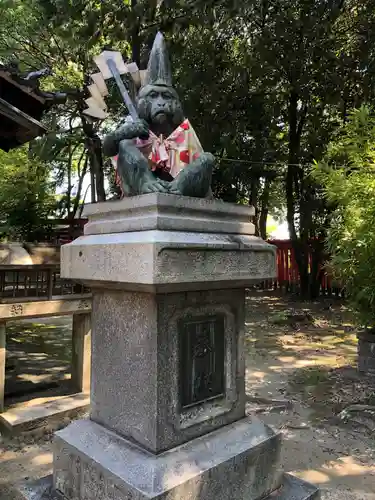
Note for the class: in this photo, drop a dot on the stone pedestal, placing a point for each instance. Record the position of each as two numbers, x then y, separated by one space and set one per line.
141 387
168 276
366 351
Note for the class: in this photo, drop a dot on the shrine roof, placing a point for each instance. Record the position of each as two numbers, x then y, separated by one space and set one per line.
21 108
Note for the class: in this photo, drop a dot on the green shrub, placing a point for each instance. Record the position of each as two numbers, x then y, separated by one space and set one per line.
347 174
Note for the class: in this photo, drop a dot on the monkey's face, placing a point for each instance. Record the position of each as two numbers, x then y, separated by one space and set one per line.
161 108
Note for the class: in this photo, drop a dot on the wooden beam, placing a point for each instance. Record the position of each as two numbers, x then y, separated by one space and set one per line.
81 352
45 308
29 267
29 91
18 116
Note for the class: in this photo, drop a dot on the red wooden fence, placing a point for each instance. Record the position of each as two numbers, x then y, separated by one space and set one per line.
287 270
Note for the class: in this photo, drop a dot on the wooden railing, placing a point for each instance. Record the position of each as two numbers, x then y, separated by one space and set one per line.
38 282
64 230
38 291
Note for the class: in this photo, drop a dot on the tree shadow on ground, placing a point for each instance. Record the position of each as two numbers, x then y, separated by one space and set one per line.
315 345
276 326
38 355
328 391
305 354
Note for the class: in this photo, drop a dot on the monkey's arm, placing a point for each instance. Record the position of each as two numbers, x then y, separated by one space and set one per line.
111 145
128 131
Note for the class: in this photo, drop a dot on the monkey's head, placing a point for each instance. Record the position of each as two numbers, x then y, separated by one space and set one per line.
158 102
161 107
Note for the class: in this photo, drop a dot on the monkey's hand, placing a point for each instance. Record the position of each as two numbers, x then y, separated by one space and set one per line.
127 131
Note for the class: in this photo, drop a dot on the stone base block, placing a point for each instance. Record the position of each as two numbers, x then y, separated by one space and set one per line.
292 488
366 351
157 243
238 461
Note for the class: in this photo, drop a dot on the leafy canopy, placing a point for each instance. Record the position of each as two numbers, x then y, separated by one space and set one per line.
347 174
26 195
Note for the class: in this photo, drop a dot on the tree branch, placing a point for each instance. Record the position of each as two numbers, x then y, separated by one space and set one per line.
28 43
189 7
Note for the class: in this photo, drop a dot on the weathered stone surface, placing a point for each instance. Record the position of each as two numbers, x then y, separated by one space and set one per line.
164 243
159 266
138 397
295 489
239 461
169 260
168 213
292 488
366 351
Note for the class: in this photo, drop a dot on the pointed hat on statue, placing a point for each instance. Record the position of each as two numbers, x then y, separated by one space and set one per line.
159 67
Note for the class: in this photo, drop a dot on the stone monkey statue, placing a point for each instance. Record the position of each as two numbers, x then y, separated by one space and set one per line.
159 109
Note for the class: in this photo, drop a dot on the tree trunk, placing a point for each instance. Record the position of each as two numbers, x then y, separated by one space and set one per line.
97 159
94 149
79 190
253 201
135 38
293 157
69 189
317 268
264 202
301 252
92 183
294 193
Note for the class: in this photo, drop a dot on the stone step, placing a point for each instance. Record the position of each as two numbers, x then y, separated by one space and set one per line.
90 458
50 415
294 488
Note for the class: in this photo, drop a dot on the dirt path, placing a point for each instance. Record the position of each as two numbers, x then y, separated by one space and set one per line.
301 353
310 362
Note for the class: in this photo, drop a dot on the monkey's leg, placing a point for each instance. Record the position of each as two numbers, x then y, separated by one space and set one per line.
195 179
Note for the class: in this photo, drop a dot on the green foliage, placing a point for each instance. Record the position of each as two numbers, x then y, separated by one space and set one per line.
26 196
265 85
347 173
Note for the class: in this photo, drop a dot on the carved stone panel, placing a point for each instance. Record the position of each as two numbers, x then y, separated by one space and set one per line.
202 359
76 471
